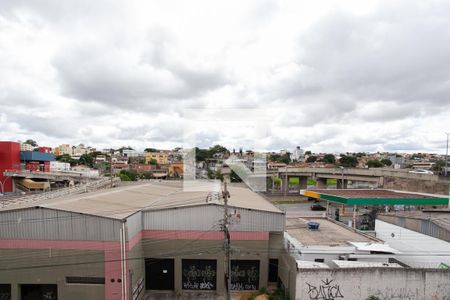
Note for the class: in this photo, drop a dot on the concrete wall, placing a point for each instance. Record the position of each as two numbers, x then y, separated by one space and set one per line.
24 266
287 272
136 266
207 249
361 283
416 185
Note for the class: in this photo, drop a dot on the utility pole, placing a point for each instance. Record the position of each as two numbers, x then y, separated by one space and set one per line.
111 167
226 221
446 155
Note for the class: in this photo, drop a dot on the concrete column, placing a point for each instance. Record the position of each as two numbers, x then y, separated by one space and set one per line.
285 184
354 216
302 183
321 183
341 184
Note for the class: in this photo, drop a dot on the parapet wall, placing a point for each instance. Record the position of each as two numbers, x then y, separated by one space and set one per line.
384 283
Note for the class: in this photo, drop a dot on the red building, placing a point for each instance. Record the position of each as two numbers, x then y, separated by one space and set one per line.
44 149
9 160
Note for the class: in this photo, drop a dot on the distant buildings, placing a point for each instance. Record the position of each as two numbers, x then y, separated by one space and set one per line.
298 155
26 147
161 157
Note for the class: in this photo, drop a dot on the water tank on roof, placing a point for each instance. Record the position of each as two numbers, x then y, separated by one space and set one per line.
313 225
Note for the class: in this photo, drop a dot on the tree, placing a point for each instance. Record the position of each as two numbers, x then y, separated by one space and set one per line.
31 142
329 158
153 162
151 150
131 175
66 158
348 161
217 149
374 163
308 152
89 159
124 177
282 158
201 154
386 162
311 159
439 165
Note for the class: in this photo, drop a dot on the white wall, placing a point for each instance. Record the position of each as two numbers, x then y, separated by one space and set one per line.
361 283
418 250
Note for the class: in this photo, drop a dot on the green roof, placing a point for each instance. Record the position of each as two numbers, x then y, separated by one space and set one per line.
375 197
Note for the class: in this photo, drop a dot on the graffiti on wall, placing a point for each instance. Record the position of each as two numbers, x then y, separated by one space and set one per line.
325 291
244 274
199 274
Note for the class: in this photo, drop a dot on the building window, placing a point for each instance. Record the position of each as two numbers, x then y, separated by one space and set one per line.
321 260
159 274
39 291
199 274
245 275
85 280
273 270
5 291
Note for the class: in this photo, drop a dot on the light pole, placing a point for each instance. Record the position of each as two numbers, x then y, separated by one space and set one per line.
342 176
446 155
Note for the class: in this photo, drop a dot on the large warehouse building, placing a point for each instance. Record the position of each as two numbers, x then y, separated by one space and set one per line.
137 240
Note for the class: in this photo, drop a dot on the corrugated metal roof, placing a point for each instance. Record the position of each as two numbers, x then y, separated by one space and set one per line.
36 156
121 202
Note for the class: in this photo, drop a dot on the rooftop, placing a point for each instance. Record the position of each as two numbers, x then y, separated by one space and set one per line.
375 196
328 234
119 203
364 264
440 217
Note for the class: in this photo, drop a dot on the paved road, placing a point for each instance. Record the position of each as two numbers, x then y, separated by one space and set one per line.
297 210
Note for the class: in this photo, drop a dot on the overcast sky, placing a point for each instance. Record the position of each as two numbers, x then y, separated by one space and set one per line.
329 76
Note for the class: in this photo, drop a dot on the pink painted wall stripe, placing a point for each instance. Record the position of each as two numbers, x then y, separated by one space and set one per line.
203 235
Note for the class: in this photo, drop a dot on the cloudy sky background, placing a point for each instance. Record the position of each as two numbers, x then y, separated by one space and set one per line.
329 76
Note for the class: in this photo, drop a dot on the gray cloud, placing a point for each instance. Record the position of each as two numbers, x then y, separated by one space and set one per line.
114 76
400 54
102 72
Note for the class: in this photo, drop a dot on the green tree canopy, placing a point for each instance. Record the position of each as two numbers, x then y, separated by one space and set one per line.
348 161
311 159
386 162
374 163
31 142
132 175
329 158
281 158
67 159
